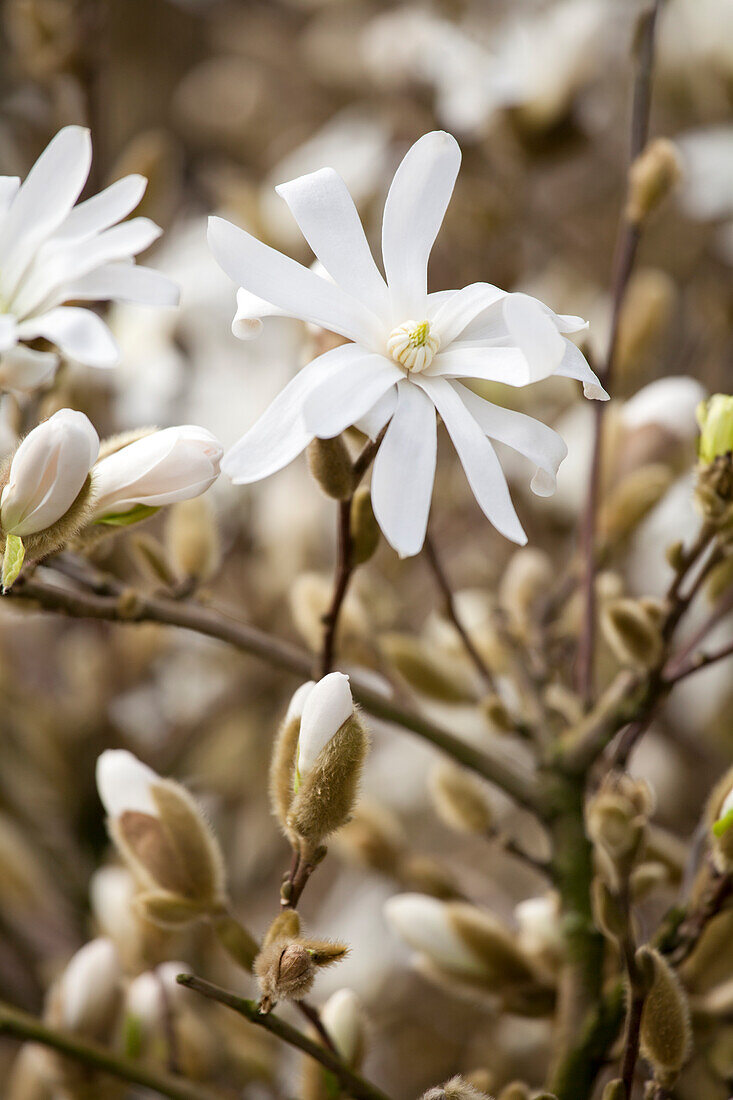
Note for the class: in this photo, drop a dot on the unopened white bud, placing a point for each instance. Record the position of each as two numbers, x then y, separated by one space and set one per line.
343 1018
88 990
327 706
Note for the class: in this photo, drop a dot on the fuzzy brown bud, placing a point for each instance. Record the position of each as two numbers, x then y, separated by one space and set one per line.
365 533
192 538
460 799
435 677
330 464
632 632
458 1088
652 176
666 1033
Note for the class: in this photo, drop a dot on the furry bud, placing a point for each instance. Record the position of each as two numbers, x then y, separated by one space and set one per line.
330 464
666 1034
282 762
632 632
616 819
460 799
609 913
715 419
192 539
632 499
286 966
458 1088
614 1090
365 532
645 314
527 577
652 176
424 672
515 1090
86 998
162 835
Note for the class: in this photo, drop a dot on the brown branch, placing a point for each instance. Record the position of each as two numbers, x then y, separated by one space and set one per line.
702 660
627 245
353 1085
342 577
20 1025
131 606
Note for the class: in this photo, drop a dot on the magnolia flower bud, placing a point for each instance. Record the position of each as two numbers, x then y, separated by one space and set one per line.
437 677
282 763
343 1018
540 931
86 998
666 1034
455 1089
332 744
651 177
719 816
162 835
616 820
161 468
193 540
460 799
46 488
330 464
526 579
287 964
715 418
632 630
365 533
632 499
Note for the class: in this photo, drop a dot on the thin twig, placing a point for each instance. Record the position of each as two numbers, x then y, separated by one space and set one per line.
20 1025
702 660
627 245
342 577
353 1085
135 607
441 578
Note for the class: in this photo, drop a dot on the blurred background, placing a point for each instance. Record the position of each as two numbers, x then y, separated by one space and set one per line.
216 102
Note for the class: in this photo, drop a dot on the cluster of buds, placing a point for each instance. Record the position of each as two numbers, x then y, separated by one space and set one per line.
317 762
714 492
458 944
287 964
56 488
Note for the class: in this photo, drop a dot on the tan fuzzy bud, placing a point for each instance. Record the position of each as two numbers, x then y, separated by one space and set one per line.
460 799
632 633
327 793
614 1090
616 819
426 876
485 936
611 917
645 314
720 580
675 555
458 1088
282 762
192 539
632 499
652 176
151 559
365 532
648 877
167 910
325 952
330 464
114 443
285 926
310 597
666 1034
497 714
526 579
437 678
515 1090
373 838
285 971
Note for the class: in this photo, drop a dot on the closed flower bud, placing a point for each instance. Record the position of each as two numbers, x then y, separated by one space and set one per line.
540 931
719 816
343 1018
373 838
495 709
614 1090
46 489
526 579
192 539
460 799
437 677
425 875
330 464
365 533
515 1090
632 632
645 314
86 997
332 745
161 833
715 418
632 499
287 964
666 1034
161 468
151 559
651 177
282 763
458 1088
616 819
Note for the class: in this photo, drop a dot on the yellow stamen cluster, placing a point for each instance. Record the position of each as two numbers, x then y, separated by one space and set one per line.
413 345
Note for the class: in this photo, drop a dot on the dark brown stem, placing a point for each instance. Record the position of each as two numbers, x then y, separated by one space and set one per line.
680 944
441 578
342 577
704 660
312 1014
353 1085
627 245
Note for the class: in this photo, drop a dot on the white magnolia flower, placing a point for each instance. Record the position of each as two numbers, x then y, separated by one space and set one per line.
89 987
47 473
53 252
409 354
161 468
325 707
343 1018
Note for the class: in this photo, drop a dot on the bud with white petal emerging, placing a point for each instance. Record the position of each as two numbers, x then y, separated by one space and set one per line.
719 816
161 468
46 488
540 930
282 761
329 756
460 799
162 835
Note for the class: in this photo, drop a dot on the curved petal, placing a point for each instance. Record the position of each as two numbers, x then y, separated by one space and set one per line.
494 364
103 209
404 471
280 433
522 433
23 369
461 308
124 783
8 331
373 421
323 208
413 214
247 321
79 333
125 282
574 365
340 401
8 190
290 286
535 334
478 458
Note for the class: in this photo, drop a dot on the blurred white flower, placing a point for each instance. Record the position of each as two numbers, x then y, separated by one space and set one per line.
161 468
343 1018
669 403
52 252
325 707
707 182
410 350
48 472
89 987
424 923
540 928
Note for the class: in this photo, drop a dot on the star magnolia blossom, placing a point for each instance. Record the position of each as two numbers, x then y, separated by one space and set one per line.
409 351
53 252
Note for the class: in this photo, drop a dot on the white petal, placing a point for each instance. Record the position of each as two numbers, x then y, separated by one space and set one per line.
280 433
530 437
89 986
670 402
124 783
323 208
462 307
413 214
343 1018
373 421
125 282
247 321
327 706
22 369
423 924
574 365
404 471
297 702
337 403
478 458
8 331
290 286
44 200
79 333
494 364
8 190
535 333
567 323
104 209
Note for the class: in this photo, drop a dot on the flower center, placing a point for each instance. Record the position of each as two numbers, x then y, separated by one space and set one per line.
413 345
